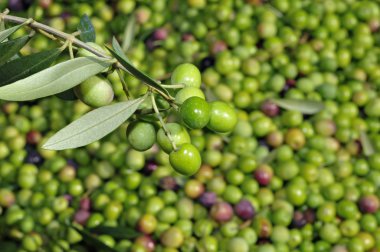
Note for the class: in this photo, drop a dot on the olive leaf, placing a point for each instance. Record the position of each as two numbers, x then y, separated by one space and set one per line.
6 33
304 106
92 241
23 67
2 25
116 232
118 49
54 80
129 33
124 61
10 48
87 31
93 125
368 148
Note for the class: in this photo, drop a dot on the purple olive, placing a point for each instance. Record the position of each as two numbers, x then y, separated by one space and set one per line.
244 210
207 199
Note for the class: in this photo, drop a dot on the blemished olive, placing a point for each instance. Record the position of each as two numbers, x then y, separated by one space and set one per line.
172 237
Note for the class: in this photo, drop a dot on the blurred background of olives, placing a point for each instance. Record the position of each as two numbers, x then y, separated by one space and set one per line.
281 181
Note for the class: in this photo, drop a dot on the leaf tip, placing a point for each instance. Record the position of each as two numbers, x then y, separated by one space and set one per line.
46 146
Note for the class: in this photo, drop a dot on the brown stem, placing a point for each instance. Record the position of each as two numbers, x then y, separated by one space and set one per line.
38 26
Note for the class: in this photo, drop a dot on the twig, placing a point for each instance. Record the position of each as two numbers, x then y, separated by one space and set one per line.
167 132
125 87
173 86
56 33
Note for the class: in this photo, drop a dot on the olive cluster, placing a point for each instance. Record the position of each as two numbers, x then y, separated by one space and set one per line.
194 112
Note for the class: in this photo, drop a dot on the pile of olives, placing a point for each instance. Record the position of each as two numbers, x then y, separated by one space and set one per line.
229 170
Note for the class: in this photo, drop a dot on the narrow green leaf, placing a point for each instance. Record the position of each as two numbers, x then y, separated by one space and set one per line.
2 25
54 80
10 48
119 50
116 232
94 242
368 148
93 125
6 33
303 106
129 33
16 56
87 31
137 73
22 67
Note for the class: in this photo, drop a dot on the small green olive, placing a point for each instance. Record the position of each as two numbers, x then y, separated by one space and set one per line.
95 92
141 135
195 113
187 92
178 133
186 160
186 74
223 117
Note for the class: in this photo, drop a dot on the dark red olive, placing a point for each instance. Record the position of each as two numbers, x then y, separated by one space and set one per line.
369 204
85 203
263 174
244 210
207 199
270 109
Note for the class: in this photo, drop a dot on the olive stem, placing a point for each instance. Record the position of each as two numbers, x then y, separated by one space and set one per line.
71 50
123 83
167 132
56 33
173 86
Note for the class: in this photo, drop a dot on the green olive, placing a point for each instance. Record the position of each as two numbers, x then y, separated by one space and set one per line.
186 74
178 133
223 117
141 135
95 92
186 160
195 113
188 92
